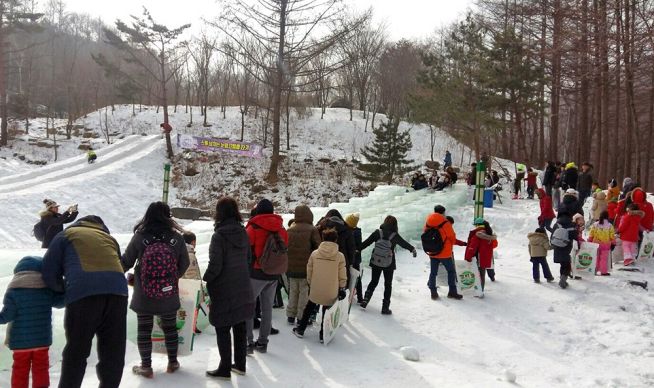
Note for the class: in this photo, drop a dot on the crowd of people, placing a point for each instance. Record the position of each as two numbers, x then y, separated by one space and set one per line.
84 271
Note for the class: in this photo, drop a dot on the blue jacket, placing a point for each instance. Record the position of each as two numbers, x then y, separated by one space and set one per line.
28 306
84 260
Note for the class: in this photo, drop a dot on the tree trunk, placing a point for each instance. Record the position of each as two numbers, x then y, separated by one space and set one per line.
4 116
164 103
556 80
274 162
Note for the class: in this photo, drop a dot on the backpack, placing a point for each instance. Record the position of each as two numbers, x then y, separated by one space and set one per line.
158 269
432 241
274 259
560 237
382 253
39 231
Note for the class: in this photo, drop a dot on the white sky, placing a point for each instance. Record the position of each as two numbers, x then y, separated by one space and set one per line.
405 18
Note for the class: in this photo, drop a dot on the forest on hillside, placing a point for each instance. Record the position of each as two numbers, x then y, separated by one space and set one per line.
530 81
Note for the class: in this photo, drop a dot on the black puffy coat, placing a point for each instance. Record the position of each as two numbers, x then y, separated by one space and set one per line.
356 233
53 223
228 275
570 206
396 240
570 178
585 181
550 175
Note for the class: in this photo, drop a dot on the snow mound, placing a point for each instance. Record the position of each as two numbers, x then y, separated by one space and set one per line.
510 376
410 353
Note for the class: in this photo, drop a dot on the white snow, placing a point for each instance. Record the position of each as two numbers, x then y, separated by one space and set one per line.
598 332
410 353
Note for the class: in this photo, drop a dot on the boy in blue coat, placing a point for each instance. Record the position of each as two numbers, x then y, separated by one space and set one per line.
28 306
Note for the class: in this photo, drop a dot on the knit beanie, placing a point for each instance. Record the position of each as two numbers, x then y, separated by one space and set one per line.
29 263
265 207
352 220
49 204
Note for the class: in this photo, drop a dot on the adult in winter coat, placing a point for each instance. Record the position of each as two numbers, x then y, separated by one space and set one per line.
599 204
387 231
263 285
570 177
327 279
437 220
159 252
539 244
228 284
549 177
346 244
562 255
447 161
352 221
517 183
628 184
585 182
570 204
52 222
602 233
546 212
84 262
628 230
639 197
27 307
481 243
303 238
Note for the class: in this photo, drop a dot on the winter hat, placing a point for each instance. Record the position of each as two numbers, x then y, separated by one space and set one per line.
627 182
440 209
478 221
352 220
540 230
570 165
571 192
49 204
29 263
613 183
576 217
265 207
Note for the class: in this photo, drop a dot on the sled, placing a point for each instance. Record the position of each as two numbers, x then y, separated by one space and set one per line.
189 297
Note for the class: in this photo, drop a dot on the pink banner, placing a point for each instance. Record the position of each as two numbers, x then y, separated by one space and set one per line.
219 145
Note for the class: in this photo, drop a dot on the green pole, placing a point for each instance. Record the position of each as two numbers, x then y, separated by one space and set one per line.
479 189
166 182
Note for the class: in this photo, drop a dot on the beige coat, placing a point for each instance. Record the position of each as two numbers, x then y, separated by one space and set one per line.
193 271
599 205
326 273
539 244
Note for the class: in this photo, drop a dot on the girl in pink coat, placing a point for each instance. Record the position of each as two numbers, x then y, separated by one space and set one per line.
603 233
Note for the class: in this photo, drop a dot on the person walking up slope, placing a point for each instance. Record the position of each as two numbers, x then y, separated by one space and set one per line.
546 211
383 260
27 307
327 279
539 244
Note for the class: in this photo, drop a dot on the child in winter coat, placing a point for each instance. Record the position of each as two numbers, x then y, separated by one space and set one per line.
628 231
327 279
481 243
613 191
603 233
599 205
352 221
28 306
612 209
546 211
531 182
539 244
580 224
562 252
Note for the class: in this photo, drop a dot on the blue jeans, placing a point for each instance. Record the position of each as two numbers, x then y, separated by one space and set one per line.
540 262
451 274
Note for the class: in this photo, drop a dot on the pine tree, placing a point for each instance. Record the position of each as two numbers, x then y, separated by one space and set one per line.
387 156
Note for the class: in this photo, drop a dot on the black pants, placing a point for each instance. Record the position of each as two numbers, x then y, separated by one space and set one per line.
566 269
224 340
388 283
359 286
311 306
540 262
104 316
144 336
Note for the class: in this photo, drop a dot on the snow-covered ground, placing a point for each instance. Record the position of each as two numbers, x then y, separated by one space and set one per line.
597 333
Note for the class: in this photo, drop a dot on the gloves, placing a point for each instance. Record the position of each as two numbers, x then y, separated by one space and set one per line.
341 294
414 253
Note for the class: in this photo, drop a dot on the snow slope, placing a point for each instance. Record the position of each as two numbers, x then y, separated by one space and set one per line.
596 333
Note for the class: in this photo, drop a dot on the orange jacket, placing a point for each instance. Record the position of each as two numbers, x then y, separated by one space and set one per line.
447 233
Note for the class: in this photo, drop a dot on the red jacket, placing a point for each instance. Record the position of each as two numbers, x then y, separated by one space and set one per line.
612 208
531 179
258 229
620 211
546 210
629 226
639 197
481 245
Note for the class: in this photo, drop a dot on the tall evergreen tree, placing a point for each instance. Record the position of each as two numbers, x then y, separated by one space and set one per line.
387 156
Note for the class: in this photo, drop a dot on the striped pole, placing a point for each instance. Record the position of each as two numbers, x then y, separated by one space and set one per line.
479 189
166 182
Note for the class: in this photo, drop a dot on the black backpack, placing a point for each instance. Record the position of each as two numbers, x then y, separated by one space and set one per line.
432 241
39 231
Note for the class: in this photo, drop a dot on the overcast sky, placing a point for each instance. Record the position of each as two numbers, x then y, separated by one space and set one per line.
405 18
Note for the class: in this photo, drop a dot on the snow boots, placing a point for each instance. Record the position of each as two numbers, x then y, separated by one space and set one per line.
366 299
434 294
145 371
454 295
563 283
385 310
